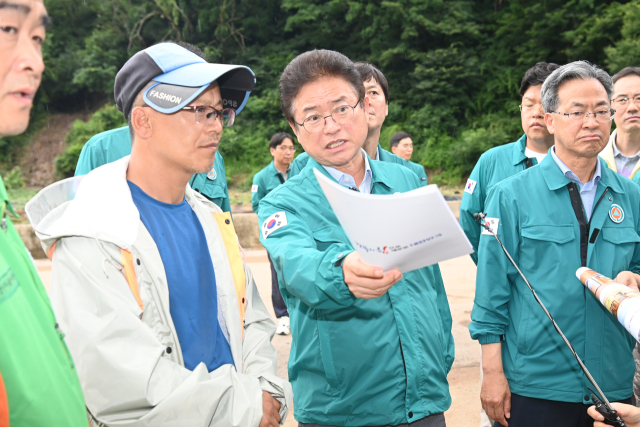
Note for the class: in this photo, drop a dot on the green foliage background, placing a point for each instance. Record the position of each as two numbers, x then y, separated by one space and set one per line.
454 66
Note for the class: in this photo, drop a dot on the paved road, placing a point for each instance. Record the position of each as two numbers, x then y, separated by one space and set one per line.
464 378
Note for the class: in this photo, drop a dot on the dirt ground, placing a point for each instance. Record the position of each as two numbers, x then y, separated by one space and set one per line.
464 378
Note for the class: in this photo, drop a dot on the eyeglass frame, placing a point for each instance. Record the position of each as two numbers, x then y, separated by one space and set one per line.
219 113
539 105
635 99
283 148
330 115
588 113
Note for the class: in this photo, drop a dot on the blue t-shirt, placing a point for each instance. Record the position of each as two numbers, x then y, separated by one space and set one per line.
193 296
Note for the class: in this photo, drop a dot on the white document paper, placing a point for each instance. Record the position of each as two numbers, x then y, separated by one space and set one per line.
406 231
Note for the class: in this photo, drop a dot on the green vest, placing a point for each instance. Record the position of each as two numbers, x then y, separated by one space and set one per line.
112 145
41 382
495 165
264 182
538 226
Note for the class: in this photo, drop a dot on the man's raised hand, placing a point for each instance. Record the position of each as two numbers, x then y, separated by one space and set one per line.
365 281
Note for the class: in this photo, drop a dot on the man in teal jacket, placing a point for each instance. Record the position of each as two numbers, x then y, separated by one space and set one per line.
507 160
265 181
369 348
377 91
112 145
553 219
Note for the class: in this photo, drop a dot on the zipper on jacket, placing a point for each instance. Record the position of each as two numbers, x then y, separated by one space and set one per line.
585 227
64 345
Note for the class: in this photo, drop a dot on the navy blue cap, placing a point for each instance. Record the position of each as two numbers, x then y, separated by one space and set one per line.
180 76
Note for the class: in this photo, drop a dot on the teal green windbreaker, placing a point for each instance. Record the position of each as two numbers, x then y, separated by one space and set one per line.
355 361
265 181
495 165
386 156
301 161
112 145
538 226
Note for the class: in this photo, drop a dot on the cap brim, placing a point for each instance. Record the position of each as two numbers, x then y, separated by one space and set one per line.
167 98
235 81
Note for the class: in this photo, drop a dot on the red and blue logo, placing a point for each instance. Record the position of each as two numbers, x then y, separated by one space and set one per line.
271 224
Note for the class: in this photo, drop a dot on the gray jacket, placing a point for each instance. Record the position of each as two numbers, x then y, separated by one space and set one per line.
109 292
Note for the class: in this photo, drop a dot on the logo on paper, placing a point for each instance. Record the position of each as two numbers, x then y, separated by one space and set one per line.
471 185
271 224
212 174
616 214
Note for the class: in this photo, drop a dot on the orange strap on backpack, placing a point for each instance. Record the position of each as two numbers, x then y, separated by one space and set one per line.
130 274
230 239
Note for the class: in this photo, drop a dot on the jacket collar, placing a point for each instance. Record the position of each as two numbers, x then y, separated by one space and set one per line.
518 155
378 175
607 154
555 179
97 205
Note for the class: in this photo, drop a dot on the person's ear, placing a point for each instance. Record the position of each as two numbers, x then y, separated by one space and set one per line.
365 105
548 120
394 149
294 128
141 123
273 151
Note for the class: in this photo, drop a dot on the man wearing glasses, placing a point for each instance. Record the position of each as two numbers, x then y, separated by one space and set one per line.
623 150
114 144
507 160
282 149
369 347
569 211
161 315
376 88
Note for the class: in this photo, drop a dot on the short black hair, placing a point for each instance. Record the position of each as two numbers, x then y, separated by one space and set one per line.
397 137
311 66
191 48
279 138
536 75
369 71
626 71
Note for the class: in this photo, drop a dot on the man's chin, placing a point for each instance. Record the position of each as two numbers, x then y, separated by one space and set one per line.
13 127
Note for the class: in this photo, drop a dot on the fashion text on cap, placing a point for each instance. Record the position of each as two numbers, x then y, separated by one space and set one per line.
180 76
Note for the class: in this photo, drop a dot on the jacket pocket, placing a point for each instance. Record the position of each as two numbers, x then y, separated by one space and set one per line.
326 355
619 243
619 235
550 233
544 245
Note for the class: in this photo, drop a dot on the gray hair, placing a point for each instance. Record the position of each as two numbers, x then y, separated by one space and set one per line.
578 70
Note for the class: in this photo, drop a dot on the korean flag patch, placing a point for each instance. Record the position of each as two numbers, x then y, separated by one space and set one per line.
493 224
271 224
254 188
471 185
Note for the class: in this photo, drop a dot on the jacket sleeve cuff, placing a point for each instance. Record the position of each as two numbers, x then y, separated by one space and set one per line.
338 275
491 339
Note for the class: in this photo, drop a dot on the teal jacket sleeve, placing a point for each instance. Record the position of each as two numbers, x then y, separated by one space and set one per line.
445 316
495 274
422 174
473 203
89 160
314 277
226 203
258 191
